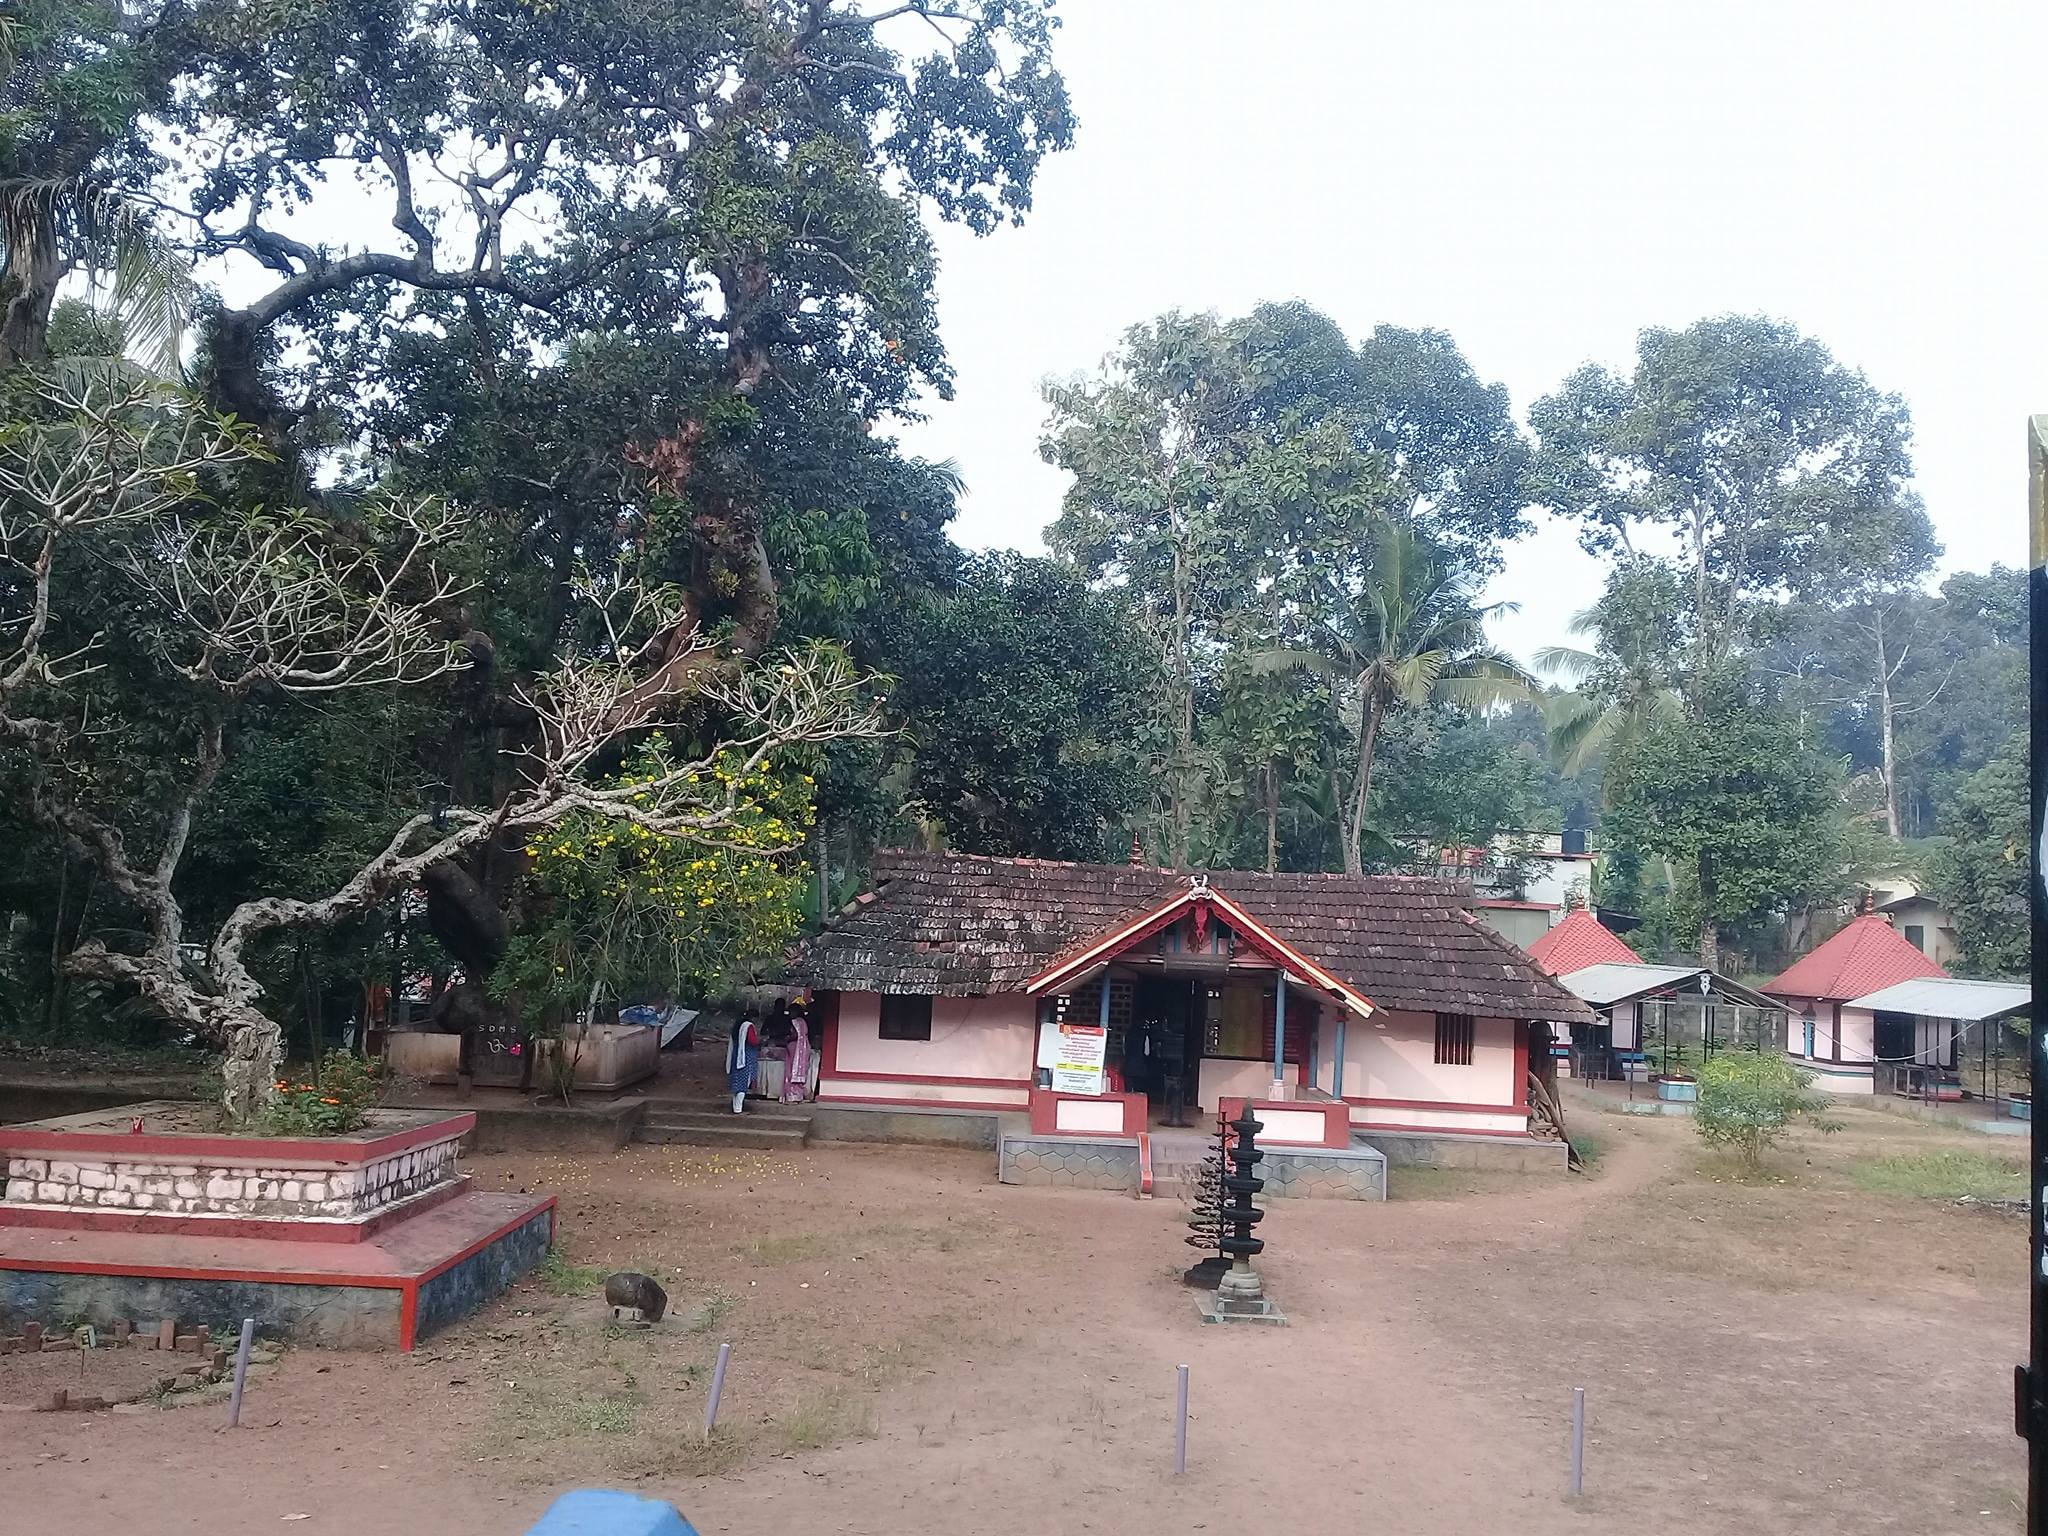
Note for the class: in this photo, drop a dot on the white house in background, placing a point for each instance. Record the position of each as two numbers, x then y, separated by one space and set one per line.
1833 1031
1523 882
1921 921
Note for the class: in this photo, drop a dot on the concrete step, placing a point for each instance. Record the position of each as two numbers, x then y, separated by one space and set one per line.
692 1115
733 1132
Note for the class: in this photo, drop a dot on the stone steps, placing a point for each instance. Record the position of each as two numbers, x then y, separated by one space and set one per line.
761 1128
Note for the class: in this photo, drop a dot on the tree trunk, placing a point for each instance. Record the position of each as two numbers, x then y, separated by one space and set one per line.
1885 737
1272 786
28 288
53 1000
1354 833
255 1046
1710 932
1184 749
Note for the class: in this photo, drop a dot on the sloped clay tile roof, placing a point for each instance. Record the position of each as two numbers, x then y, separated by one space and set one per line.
1866 955
1579 941
956 924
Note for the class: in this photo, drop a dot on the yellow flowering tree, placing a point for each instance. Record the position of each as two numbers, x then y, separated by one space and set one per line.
627 909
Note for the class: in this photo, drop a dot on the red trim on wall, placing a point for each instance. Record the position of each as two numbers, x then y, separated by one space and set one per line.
1144 1165
929 1077
1521 1029
1045 1104
1336 1118
1447 1130
848 1098
1444 1104
480 1244
828 1054
274 1151
386 1282
409 1318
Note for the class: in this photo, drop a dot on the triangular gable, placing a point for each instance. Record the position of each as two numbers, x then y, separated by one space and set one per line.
1078 959
1866 955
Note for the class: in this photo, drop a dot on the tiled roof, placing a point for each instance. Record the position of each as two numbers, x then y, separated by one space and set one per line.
1866 955
1579 941
955 924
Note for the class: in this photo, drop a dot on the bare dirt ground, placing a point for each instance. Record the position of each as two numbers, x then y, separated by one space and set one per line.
916 1347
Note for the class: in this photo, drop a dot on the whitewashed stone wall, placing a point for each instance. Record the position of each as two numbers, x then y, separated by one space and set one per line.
104 1182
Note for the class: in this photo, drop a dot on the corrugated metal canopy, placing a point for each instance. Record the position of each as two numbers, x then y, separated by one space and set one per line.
1948 997
1616 982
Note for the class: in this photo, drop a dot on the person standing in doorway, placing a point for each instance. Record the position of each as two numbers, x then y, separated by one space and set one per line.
796 1075
742 1055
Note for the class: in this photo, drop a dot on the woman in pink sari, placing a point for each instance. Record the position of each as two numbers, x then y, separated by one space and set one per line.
796 1070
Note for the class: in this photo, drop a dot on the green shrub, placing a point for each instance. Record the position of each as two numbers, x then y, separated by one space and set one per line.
1748 1099
337 1100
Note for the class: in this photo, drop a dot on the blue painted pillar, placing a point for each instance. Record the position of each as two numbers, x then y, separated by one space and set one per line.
1105 1000
1280 1028
1337 1075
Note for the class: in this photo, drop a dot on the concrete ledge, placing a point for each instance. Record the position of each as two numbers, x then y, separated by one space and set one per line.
1070 1162
1444 1149
901 1123
521 1126
1325 1173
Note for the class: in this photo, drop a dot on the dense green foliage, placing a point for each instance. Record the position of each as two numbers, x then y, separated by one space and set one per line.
640 294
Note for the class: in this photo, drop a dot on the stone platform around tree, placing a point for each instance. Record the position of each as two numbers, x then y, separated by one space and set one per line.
96 1171
389 1291
145 1212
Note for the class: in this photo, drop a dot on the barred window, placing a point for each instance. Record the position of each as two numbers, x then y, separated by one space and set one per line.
1454 1039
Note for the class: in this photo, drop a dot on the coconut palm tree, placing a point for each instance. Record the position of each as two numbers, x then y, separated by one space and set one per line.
1627 685
1411 631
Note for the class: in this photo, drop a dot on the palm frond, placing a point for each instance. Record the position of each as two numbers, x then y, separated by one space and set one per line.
1567 661
1579 727
150 288
1279 659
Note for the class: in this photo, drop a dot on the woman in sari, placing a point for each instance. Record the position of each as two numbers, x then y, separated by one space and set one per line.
742 1055
796 1071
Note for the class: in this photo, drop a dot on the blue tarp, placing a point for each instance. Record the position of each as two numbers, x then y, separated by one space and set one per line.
607 1512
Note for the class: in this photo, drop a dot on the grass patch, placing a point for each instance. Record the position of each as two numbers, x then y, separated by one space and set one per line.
816 1420
1944 1174
1589 1147
716 1305
561 1278
790 1248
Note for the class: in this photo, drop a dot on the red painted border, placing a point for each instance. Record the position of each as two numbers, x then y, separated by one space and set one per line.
1336 1119
1521 1064
1443 1104
189 1272
277 1151
409 1303
1045 1102
929 1077
1441 1130
1111 943
847 1098
282 1229
828 1049
1144 1165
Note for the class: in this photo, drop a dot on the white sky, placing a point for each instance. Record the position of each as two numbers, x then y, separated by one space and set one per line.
1541 180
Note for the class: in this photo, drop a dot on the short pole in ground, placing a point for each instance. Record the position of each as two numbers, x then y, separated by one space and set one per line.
241 1371
717 1389
1578 1441
1180 1425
